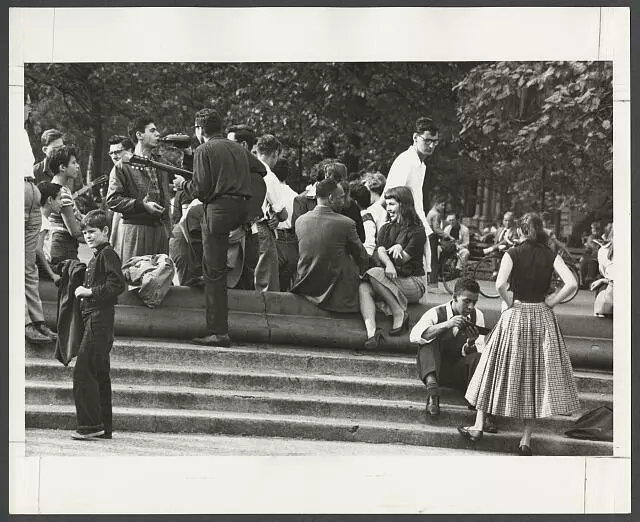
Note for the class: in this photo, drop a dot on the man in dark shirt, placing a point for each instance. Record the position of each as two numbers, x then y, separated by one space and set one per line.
221 180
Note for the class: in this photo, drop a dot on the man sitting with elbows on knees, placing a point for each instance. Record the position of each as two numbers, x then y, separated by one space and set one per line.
449 344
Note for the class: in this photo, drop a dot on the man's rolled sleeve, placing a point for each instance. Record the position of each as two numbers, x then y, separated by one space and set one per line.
428 319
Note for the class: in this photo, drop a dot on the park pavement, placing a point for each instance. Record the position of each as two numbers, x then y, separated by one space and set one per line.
58 443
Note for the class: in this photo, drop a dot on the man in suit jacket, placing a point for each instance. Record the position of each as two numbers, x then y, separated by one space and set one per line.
332 256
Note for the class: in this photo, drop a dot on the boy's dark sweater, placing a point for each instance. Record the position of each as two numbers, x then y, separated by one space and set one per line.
104 278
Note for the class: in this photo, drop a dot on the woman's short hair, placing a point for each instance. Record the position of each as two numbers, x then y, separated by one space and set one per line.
533 228
329 167
375 182
48 190
407 210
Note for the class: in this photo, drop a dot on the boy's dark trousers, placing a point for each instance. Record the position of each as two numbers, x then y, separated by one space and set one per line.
91 380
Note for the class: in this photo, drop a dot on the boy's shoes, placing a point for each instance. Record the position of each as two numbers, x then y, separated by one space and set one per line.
213 340
35 336
433 405
87 434
45 330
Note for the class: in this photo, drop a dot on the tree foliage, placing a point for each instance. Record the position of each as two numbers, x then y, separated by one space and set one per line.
542 129
361 113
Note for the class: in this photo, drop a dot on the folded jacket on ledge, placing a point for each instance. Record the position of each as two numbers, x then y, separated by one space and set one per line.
153 274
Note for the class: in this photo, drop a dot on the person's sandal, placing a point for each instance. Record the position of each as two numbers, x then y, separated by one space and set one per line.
470 434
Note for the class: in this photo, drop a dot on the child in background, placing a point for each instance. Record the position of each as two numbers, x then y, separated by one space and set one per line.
102 285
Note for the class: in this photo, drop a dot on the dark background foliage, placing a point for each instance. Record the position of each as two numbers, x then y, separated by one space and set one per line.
541 130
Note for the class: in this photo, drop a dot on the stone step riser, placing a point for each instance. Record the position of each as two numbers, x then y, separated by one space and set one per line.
408 391
505 442
284 362
409 413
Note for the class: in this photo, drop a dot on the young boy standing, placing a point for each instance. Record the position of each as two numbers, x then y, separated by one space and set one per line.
102 285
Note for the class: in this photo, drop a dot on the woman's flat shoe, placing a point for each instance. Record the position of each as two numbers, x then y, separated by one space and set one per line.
373 343
470 434
524 451
402 327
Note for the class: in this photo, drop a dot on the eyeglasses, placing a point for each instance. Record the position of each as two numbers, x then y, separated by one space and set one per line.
429 141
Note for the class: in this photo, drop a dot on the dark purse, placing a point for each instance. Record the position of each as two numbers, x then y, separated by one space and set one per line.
594 425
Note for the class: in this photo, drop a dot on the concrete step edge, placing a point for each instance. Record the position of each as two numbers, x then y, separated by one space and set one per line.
308 377
361 430
409 405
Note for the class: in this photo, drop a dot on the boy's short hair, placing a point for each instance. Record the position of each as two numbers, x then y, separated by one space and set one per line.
62 157
48 190
126 142
467 284
95 219
49 136
268 144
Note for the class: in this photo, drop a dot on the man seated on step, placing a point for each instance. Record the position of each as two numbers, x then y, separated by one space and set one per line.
449 344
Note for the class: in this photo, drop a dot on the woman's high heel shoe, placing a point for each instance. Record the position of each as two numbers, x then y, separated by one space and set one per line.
373 343
402 327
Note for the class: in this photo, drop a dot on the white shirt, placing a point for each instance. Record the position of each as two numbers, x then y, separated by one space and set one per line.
464 235
605 264
272 197
408 171
378 213
287 195
369 232
430 318
28 159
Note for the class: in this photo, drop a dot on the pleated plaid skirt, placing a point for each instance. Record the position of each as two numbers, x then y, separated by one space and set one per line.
525 370
405 289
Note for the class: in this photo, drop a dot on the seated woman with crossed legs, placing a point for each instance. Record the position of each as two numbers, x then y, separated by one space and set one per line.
400 279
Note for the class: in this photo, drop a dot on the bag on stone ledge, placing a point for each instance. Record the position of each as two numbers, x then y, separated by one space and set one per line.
153 274
594 425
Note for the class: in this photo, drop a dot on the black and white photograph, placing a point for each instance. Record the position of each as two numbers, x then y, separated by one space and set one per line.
322 258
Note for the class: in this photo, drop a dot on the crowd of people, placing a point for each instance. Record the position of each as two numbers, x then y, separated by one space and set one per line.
347 243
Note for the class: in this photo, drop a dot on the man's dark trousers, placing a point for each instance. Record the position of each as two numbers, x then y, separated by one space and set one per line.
433 246
221 217
91 380
444 358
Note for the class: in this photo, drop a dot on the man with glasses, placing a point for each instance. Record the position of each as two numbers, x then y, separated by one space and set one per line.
118 147
409 168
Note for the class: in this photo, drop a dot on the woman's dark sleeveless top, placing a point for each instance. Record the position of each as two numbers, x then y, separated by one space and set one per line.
532 270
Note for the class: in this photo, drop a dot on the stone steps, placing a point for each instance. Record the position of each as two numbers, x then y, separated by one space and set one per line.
454 412
286 359
318 428
259 380
284 391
